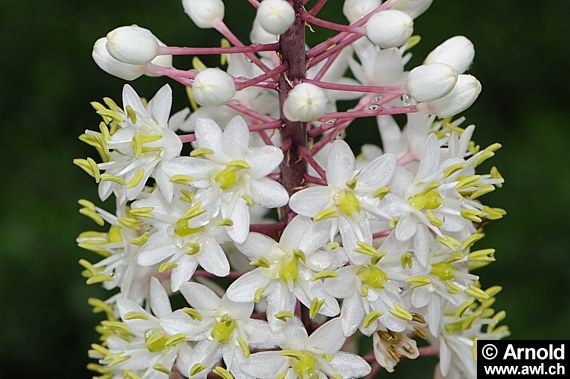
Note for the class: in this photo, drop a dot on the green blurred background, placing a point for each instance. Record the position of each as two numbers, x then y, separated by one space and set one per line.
48 79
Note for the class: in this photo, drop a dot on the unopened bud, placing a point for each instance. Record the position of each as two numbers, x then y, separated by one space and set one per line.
412 7
260 35
431 81
356 9
204 13
458 52
306 102
390 28
161 60
132 44
213 87
275 16
112 66
465 92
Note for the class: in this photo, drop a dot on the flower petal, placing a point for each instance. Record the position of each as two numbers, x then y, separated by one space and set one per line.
328 339
310 201
199 296
266 365
160 105
430 158
159 302
264 160
258 245
350 365
268 193
235 140
244 288
209 135
183 272
340 164
212 258
377 174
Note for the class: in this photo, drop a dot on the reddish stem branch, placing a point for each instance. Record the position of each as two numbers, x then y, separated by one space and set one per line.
205 274
313 163
358 88
253 48
317 7
259 79
306 16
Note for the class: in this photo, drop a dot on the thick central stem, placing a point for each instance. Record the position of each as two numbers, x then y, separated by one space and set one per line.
292 50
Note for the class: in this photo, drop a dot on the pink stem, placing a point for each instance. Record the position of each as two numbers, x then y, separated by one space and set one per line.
206 274
254 3
332 51
375 368
317 7
267 228
358 88
250 113
429 351
313 180
226 32
382 234
171 72
323 70
305 16
253 48
187 138
265 126
286 145
268 75
406 158
313 163
381 111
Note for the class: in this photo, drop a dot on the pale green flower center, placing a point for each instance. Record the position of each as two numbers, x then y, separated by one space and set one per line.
444 271
372 276
223 329
229 177
347 203
429 200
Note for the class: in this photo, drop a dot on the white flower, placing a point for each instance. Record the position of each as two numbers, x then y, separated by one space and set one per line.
213 87
225 169
412 7
389 28
132 44
431 81
286 271
305 102
186 232
204 13
457 52
275 16
389 347
314 356
465 92
139 143
377 67
356 9
348 198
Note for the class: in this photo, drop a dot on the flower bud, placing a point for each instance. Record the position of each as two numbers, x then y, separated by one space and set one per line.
459 99
260 35
161 60
356 9
112 66
389 28
132 44
213 87
412 7
458 52
275 16
204 13
306 102
431 81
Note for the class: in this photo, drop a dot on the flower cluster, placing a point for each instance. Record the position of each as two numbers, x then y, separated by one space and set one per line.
284 245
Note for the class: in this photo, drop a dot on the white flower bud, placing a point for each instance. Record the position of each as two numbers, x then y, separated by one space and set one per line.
306 102
431 81
112 66
458 52
161 60
356 9
213 87
412 7
276 16
459 99
260 35
132 44
389 28
204 13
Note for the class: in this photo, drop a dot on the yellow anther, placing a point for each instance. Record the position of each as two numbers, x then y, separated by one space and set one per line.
371 317
175 340
393 222
420 332
352 183
90 167
196 369
244 347
93 216
143 212
494 147
139 174
411 42
87 204
328 357
228 177
136 143
495 174
431 187
500 316
188 196
184 180
239 164
300 255
463 307
161 368
430 200
401 313
472 215
131 114
306 366
193 248
337 376
469 241
260 262
473 148
156 341
131 223
454 256
118 360
347 203
111 104
100 350
372 276
494 291
224 57
292 354
258 295
194 211
444 271
494 213
249 200
364 290
483 190
198 65
283 316
381 193
167 266
99 279
184 231
316 306
110 115
104 131
467 182
223 373
324 275
89 267
448 242
453 169
484 255
418 281
200 152
194 314
140 240
100 306
406 260
452 288
365 248
477 293
149 138
135 316
333 245
433 219
193 102
113 178
225 222
326 214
